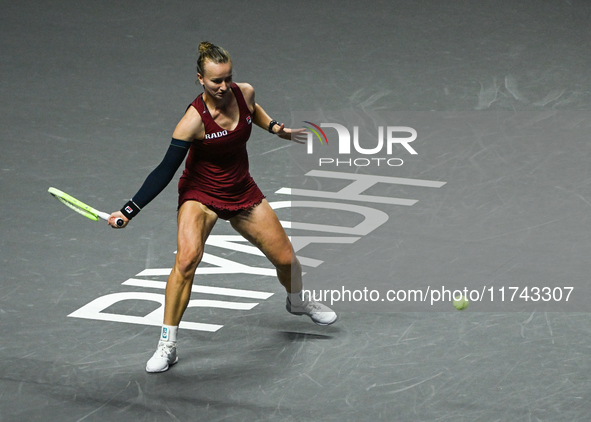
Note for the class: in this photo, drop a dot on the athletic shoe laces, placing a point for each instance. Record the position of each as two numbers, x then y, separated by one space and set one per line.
164 350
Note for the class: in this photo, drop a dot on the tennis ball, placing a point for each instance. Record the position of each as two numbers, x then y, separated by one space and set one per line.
461 303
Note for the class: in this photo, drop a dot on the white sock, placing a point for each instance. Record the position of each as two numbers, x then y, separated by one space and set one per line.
296 299
169 333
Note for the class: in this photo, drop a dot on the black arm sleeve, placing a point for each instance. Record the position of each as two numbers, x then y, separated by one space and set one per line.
163 174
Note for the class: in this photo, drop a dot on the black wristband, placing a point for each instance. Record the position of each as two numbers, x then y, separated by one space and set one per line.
271 125
130 210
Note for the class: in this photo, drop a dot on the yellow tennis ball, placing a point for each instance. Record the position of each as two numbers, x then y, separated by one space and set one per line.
461 303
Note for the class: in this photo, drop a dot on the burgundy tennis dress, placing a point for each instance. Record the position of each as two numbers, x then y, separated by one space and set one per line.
216 171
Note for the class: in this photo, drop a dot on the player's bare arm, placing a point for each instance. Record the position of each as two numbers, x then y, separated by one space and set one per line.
190 127
262 119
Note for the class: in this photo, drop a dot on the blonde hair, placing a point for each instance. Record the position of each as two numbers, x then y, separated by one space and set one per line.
208 51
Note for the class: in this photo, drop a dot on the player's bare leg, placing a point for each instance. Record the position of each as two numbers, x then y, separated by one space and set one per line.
195 222
262 228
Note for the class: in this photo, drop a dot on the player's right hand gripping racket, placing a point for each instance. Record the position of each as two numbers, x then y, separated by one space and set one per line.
81 208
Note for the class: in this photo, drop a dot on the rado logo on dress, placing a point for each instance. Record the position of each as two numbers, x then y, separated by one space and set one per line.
216 134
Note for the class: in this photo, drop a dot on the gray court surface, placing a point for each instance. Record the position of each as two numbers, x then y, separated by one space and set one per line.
498 92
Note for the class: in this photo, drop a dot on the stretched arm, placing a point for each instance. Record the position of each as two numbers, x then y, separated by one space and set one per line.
163 174
188 129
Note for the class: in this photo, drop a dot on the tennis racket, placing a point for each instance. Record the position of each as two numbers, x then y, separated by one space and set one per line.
81 208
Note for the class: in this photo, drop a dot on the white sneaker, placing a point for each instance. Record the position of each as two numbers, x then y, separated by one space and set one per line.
319 313
164 356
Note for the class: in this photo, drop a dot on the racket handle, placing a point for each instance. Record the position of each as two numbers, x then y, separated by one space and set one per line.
119 222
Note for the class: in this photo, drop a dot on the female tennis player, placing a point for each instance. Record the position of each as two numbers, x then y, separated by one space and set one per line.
216 183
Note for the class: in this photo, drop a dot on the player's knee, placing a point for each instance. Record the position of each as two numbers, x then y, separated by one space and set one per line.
187 261
286 261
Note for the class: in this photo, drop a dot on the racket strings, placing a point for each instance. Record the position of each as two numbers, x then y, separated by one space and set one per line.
79 209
